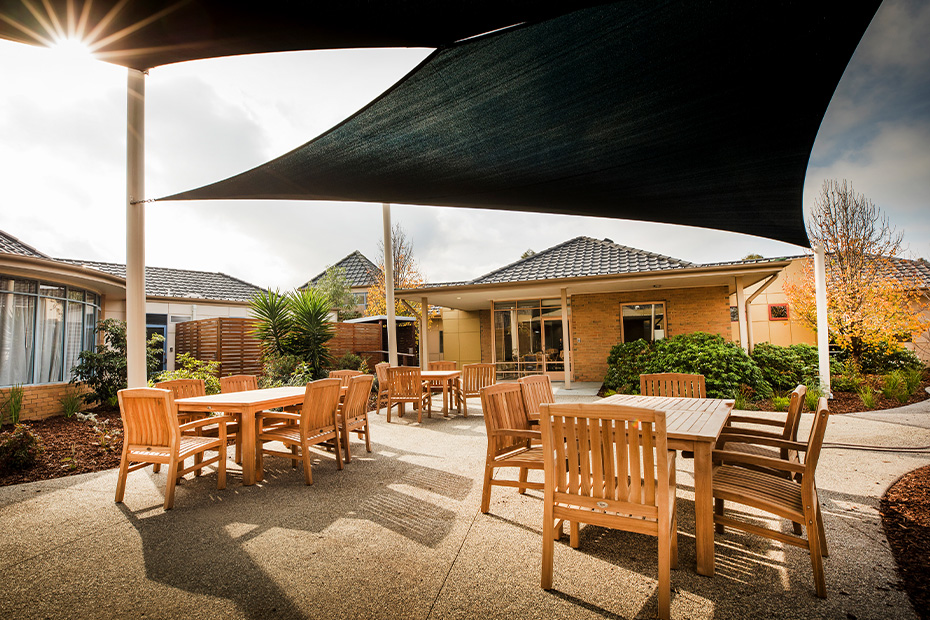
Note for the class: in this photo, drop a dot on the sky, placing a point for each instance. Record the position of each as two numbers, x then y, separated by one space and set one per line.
63 162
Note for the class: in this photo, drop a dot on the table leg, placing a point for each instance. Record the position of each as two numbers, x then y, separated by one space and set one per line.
247 433
704 508
445 398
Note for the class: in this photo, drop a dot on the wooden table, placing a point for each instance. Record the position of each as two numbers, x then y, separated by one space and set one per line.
244 405
448 378
692 424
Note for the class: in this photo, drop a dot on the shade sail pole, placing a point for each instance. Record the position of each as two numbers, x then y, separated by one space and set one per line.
389 284
823 336
135 229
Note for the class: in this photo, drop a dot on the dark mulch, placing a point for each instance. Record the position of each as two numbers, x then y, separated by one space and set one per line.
905 511
70 446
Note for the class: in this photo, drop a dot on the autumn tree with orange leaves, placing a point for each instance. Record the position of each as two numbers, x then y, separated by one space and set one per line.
870 303
406 275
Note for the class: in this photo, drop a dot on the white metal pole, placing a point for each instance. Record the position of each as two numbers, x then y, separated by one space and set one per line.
135 229
424 336
741 313
389 284
823 335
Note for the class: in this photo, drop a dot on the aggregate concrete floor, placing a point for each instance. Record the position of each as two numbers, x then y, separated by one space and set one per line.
398 534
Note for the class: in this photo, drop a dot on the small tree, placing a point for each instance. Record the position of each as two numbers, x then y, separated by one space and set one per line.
336 287
869 304
529 252
294 325
406 275
104 370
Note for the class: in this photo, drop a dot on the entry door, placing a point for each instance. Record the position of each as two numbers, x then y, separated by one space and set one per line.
163 330
554 348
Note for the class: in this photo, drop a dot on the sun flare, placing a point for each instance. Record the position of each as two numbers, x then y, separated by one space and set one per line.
72 48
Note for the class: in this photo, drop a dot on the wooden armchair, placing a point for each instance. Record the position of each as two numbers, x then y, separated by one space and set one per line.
510 440
609 466
344 375
672 384
737 438
354 413
406 386
382 375
475 377
792 496
315 424
153 435
537 389
237 383
184 388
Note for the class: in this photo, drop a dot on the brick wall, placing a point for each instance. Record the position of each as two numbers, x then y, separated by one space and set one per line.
40 401
596 321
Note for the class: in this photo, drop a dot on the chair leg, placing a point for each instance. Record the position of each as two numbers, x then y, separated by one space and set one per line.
486 489
156 467
337 448
823 535
308 473
221 467
170 484
574 537
548 548
121 481
813 542
259 460
345 443
238 449
367 435
524 474
718 510
665 594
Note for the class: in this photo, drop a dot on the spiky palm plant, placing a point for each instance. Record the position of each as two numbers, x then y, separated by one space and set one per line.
309 310
274 323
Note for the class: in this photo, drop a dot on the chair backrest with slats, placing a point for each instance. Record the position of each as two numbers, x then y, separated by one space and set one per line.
183 388
381 374
537 389
356 400
672 384
405 382
443 365
606 458
150 417
815 443
477 376
320 402
793 420
502 405
344 375
238 383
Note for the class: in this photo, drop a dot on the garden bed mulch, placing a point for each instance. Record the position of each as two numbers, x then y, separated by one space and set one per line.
905 511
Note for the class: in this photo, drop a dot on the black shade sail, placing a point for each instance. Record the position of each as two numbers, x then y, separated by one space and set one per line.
142 34
699 113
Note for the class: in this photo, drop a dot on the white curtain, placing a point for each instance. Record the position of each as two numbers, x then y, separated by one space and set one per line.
16 318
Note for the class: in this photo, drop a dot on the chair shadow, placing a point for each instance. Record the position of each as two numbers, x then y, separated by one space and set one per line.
201 545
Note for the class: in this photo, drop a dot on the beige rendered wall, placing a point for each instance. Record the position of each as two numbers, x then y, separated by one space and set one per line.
595 321
781 333
461 333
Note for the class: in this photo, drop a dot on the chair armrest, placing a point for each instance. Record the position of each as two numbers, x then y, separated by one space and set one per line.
726 456
762 441
518 432
219 419
748 419
276 415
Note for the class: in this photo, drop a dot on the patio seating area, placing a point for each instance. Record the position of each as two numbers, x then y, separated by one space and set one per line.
403 525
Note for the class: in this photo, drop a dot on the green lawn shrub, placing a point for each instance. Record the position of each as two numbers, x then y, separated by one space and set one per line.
189 367
784 368
725 366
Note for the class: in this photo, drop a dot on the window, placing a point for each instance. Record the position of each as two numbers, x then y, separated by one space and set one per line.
646 321
43 329
361 299
528 337
734 314
778 312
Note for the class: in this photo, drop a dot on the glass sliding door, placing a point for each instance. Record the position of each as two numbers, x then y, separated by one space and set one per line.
528 338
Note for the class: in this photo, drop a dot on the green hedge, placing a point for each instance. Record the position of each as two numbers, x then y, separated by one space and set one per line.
725 365
784 368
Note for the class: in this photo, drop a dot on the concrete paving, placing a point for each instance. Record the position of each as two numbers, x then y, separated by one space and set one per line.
398 534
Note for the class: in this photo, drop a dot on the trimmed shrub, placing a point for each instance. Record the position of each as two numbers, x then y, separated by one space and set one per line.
883 358
784 368
725 366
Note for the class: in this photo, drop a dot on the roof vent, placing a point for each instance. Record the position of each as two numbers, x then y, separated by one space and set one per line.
608 240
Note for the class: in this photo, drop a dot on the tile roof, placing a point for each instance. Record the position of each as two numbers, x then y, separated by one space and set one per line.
359 271
11 245
181 283
909 271
581 257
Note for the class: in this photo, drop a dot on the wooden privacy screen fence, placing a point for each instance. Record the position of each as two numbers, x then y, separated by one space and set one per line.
230 341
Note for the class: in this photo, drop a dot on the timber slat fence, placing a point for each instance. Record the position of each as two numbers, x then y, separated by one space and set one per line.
230 341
